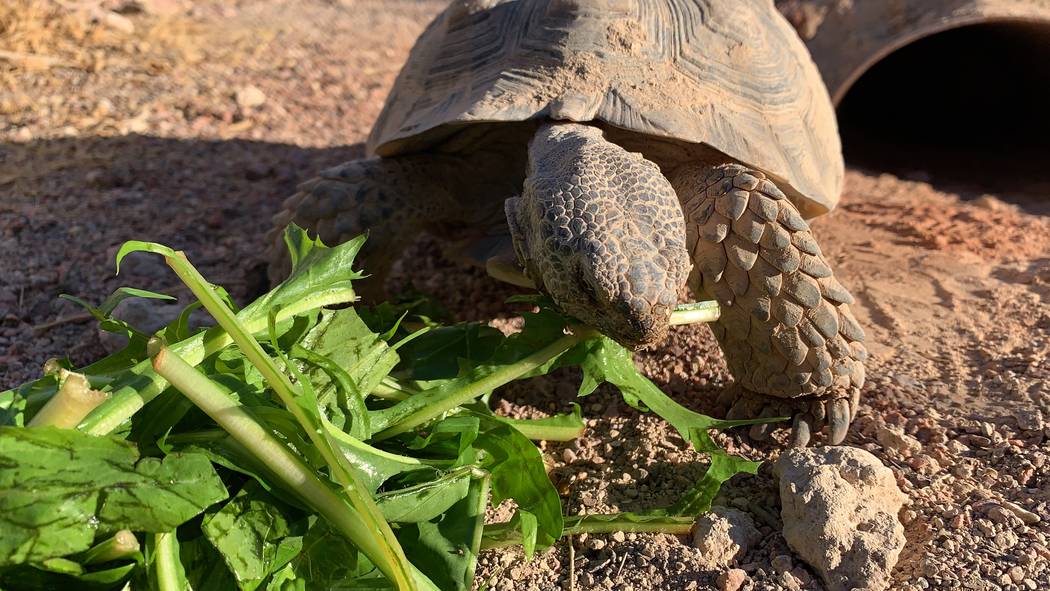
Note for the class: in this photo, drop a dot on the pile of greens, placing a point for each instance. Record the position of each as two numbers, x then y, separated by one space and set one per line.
302 443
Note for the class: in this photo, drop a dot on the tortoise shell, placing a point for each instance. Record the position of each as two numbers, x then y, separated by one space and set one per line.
729 75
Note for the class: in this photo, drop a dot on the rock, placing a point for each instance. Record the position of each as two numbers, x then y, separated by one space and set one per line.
249 97
1023 514
840 507
731 580
724 535
781 563
1029 419
898 440
117 22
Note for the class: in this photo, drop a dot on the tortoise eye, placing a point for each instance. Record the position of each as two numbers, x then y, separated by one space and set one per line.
588 291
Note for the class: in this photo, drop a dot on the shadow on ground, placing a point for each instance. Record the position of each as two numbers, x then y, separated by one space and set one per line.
66 205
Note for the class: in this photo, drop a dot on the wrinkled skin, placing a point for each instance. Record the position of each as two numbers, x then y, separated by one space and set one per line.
601 231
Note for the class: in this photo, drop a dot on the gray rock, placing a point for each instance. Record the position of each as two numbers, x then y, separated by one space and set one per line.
724 535
839 506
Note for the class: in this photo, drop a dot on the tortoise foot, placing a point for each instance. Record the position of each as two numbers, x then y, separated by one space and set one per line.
809 414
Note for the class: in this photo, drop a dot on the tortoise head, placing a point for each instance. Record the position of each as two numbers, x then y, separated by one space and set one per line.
601 231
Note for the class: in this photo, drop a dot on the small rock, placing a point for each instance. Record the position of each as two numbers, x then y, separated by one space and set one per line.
840 507
724 535
789 581
1029 419
924 464
898 440
1023 514
568 456
731 580
781 563
250 97
618 536
117 22
1016 574
595 543
998 514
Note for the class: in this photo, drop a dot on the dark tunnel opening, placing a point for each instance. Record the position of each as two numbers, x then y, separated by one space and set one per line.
967 109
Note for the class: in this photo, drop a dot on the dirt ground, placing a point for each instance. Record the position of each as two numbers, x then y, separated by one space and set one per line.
188 122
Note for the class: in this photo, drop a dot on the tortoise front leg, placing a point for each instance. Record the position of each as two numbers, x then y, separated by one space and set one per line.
392 199
786 329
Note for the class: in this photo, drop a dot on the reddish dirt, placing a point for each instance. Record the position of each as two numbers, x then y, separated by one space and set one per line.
190 125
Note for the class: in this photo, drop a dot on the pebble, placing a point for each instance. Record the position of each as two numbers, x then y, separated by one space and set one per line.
250 97
998 514
781 563
568 456
731 580
117 22
898 440
789 581
1016 574
1023 514
1029 419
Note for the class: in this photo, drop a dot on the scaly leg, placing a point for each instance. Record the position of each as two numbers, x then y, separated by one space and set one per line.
786 329
392 199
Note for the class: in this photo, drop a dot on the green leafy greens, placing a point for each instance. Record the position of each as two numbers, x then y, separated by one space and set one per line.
304 443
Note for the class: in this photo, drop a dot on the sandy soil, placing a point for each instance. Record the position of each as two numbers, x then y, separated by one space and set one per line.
188 122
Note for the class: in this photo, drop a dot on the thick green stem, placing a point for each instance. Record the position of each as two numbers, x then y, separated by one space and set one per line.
431 404
556 428
384 549
707 311
166 562
500 535
143 384
73 401
122 545
292 472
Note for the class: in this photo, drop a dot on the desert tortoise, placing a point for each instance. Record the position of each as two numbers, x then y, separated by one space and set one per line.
610 146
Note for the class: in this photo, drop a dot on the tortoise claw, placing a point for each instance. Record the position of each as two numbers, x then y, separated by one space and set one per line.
801 431
838 420
809 415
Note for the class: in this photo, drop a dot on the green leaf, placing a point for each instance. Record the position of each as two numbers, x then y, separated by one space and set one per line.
372 465
139 246
42 577
446 546
698 498
425 501
103 313
608 361
59 487
518 473
346 342
441 352
326 561
324 281
247 532
204 567
179 329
